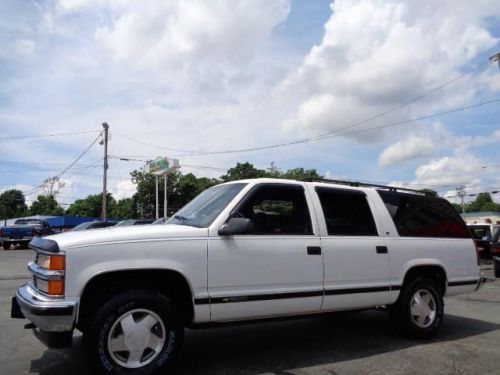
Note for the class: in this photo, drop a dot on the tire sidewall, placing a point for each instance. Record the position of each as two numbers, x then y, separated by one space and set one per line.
404 318
102 324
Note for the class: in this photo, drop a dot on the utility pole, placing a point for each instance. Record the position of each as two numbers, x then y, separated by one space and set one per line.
495 57
165 198
157 208
461 194
105 174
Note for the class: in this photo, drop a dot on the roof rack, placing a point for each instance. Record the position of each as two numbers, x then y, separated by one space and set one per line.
366 184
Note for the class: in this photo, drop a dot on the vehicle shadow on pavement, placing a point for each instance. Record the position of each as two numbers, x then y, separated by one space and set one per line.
273 347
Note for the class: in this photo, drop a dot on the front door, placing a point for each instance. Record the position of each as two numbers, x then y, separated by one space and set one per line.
276 270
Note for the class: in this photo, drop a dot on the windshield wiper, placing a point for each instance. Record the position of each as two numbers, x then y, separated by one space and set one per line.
180 218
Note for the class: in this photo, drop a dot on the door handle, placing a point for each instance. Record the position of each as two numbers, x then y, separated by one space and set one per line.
313 250
381 249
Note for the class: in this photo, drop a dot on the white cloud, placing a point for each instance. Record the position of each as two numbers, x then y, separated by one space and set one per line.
25 47
124 189
179 32
378 54
408 149
450 170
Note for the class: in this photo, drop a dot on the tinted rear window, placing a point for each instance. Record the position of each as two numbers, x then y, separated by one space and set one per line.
423 216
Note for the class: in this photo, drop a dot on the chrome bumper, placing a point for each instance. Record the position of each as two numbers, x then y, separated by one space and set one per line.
48 314
9 239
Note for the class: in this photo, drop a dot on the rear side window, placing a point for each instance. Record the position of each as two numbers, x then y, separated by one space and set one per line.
347 212
423 216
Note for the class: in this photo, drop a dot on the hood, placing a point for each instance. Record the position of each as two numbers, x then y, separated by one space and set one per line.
126 234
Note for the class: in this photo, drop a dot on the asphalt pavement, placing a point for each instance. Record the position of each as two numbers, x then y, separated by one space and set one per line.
354 343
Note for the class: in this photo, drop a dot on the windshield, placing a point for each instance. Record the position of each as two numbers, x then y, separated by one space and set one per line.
125 223
27 222
83 226
496 235
203 209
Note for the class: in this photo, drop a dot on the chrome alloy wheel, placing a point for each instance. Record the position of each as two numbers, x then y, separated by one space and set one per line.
423 308
136 338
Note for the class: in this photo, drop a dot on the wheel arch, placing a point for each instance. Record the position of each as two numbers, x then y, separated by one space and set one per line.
432 270
101 286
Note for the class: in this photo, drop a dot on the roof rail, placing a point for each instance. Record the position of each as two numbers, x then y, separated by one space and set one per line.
366 184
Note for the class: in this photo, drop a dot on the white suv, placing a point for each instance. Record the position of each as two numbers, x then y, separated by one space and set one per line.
248 250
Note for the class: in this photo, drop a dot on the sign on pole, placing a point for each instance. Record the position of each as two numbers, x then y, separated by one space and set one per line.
161 167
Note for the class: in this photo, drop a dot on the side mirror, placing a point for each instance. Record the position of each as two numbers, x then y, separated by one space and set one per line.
236 225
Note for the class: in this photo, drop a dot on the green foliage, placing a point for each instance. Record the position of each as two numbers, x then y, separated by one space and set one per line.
91 206
243 171
482 203
123 209
247 170
12 204
46 205
183 188
430 192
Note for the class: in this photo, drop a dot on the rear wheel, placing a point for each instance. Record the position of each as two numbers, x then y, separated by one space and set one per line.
137 332
496 265
6 245
418 313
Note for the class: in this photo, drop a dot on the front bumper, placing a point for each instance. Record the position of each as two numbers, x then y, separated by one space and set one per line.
16 240
48 314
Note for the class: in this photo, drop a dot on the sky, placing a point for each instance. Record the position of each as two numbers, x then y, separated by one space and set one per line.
394 92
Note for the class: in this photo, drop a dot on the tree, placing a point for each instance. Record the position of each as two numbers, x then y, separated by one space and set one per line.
46 205
124 209
301 174
12 204
243 171
429 192
52 186
483 202
91 206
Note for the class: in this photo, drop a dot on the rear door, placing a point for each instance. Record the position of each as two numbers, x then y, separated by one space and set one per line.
355 254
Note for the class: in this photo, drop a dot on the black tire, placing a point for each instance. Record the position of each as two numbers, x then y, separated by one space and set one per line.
496 266
411 323
6 245
109 320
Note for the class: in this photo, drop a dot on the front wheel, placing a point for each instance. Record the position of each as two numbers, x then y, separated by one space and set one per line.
137 332
6 245
418 313
496 265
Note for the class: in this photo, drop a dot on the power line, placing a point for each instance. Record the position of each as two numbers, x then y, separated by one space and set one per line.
315 138
327 134
425 117
47 135
68 167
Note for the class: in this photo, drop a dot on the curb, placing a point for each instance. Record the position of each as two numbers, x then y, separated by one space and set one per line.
15 277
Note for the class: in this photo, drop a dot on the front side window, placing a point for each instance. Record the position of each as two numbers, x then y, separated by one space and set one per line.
347 212
205 208
423 216
277 209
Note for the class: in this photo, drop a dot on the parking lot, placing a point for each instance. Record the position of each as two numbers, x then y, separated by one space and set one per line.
355 343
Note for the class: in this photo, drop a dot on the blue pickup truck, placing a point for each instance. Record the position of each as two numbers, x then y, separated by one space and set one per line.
22 232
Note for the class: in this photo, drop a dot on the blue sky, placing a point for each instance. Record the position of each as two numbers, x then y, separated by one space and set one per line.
244 74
